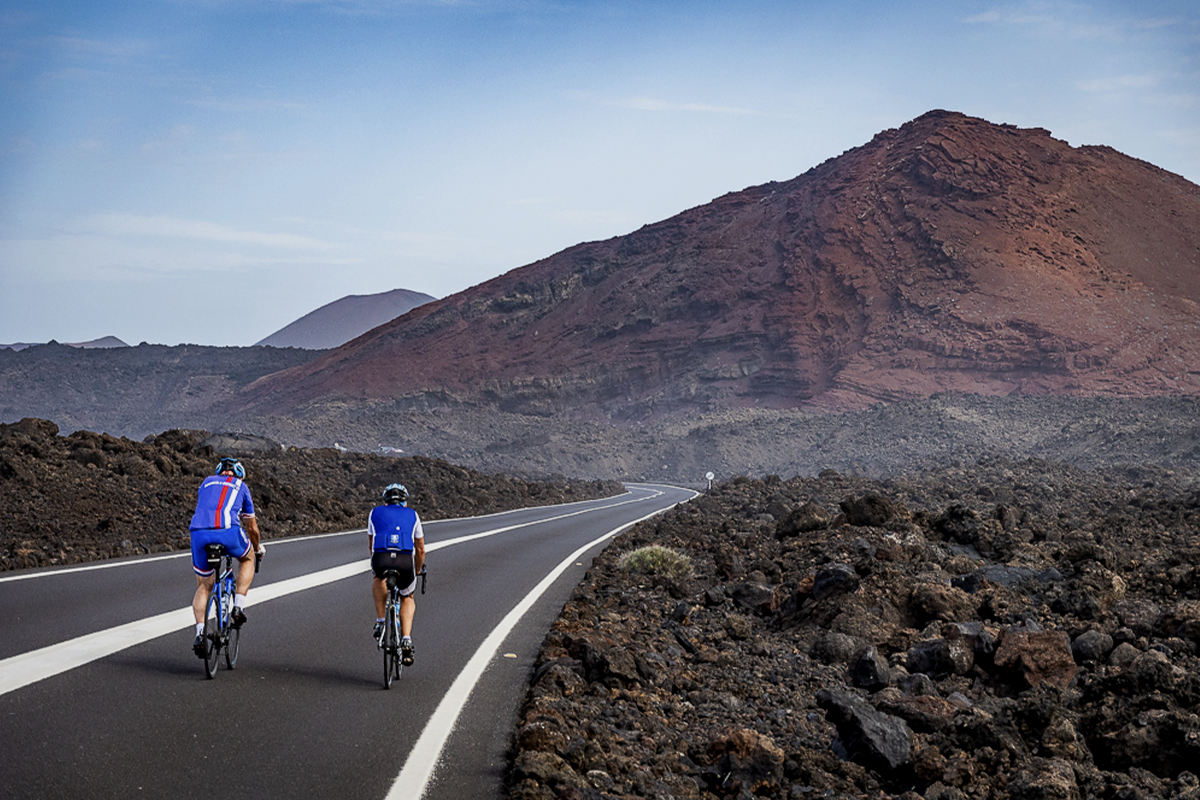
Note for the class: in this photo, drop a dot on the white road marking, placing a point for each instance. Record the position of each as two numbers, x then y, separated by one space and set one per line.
53 573
423 759
35 665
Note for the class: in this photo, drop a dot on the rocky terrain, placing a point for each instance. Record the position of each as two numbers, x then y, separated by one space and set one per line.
881 440
1009 629
132 391
89 496
141 391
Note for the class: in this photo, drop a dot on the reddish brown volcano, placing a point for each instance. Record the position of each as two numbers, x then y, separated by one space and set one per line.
949 255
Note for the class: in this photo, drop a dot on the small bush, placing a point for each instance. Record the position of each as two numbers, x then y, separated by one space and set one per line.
657 560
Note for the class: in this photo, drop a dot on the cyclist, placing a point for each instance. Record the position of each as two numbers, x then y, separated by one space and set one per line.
224 515
397 543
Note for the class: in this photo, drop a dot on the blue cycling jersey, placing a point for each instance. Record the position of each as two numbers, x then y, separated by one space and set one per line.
394 527
221 501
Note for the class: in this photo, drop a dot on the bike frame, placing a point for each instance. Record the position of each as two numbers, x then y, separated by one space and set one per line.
389 637
225 585
221 604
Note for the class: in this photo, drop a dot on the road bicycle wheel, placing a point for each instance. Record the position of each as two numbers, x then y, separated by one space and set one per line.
212 634
391 648
232 634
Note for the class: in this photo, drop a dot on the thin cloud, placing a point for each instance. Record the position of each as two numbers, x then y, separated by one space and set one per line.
657 105
103 49
1120 83
1028 16
1062 19
176 136
169 227
382 7
1157 23
245 104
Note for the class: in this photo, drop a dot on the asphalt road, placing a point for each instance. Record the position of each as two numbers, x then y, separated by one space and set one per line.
101 696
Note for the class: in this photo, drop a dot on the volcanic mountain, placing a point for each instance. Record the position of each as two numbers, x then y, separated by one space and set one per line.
950 255
336 323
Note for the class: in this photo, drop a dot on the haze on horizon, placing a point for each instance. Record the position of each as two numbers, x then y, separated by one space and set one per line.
211 171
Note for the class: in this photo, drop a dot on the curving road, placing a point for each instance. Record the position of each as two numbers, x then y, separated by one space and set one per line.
101 696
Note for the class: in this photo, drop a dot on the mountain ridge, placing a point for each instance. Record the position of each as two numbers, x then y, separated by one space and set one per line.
103 342
344 319
948 255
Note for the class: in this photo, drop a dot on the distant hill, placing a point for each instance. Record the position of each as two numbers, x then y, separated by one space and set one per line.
132 391
94 344
338 322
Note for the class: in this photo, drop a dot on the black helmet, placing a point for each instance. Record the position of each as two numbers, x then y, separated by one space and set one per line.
395 493
228 464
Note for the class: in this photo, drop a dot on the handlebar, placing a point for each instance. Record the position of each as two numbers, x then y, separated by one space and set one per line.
423 578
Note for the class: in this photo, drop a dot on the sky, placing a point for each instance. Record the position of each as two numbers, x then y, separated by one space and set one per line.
208 171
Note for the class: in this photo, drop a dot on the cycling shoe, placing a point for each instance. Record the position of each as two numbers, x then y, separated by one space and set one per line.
407 652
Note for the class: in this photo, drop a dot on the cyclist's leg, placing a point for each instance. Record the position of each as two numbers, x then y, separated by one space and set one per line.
245 573
408 608
408 587
381 561
379 595
204 587
408 605
205 575
238 543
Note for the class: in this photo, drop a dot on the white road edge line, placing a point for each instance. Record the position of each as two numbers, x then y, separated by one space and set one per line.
36 665
423 759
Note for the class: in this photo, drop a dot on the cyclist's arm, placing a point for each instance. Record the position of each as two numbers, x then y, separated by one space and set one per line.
418 554
250 525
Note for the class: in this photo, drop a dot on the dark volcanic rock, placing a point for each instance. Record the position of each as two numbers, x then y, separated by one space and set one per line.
899 680
87 496
874 739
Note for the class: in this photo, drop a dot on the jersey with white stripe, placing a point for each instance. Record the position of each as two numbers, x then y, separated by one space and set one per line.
221 501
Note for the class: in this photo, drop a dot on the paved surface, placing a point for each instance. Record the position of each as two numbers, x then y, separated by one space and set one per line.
304 714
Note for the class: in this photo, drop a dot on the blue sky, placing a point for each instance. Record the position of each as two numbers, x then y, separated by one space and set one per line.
207 171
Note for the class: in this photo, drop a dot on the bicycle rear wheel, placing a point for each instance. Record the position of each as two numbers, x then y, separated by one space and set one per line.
212 634
391 648
232 635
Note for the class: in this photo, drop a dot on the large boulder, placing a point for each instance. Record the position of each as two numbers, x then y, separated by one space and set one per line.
1036 657
874 739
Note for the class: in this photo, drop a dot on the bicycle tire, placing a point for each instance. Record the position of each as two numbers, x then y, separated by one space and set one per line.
212 634
232 635
391 647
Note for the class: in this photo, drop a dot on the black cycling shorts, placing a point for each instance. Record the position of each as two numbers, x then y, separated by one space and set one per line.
399 561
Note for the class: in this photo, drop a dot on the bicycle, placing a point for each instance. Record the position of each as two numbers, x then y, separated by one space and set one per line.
219 632
389 637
